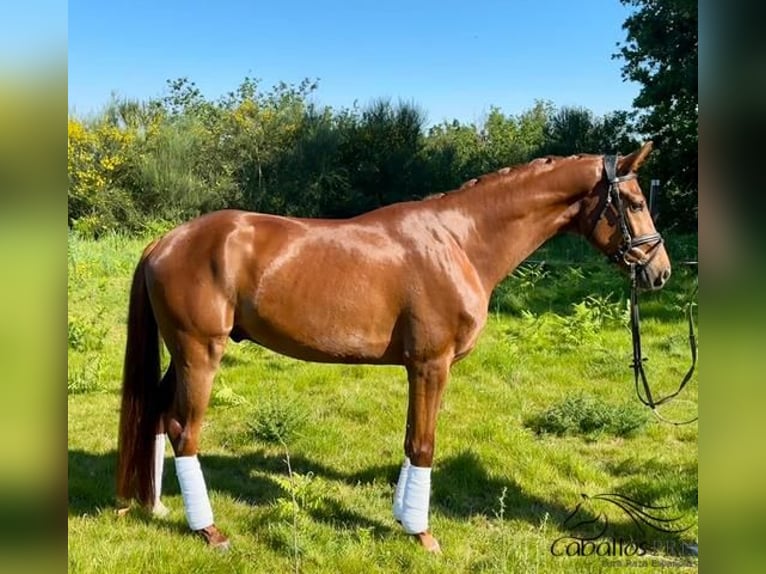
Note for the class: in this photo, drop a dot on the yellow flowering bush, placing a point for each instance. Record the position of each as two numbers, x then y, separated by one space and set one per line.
95 154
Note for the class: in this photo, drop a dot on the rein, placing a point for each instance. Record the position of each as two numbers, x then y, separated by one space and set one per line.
626 254
638 359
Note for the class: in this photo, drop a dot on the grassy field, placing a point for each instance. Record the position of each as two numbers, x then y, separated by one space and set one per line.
541 412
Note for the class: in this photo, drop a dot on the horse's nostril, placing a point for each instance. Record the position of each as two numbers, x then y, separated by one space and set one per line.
660 280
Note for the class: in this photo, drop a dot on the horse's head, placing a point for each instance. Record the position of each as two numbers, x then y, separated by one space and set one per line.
616 219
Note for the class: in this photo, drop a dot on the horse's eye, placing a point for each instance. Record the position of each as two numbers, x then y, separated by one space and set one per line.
636 206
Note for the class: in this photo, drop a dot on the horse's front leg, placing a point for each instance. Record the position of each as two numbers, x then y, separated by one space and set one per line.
427 380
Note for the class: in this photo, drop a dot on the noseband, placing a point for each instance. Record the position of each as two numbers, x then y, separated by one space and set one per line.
625 252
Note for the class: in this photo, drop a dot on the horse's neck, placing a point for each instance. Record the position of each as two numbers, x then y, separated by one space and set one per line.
511 217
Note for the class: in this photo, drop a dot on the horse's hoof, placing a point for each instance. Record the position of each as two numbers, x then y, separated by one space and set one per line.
159 510
428 542
123 511
214 537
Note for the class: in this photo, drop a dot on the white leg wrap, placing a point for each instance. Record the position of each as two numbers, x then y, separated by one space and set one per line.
199 514
417 494
399 492
159 509
159 464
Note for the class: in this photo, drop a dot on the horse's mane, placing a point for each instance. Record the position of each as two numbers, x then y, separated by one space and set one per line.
534 166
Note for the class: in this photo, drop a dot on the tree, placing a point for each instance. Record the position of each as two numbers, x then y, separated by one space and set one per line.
573 130
661 54
568 131
381 149
453 154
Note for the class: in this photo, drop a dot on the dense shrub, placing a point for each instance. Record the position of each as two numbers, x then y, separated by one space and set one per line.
587 416
274 151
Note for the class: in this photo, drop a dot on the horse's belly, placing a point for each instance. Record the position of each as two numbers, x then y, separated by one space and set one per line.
325 346
327 331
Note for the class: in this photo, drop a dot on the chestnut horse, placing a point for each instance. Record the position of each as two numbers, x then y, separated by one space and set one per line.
407 284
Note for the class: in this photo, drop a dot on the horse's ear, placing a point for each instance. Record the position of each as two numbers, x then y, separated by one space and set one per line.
631 163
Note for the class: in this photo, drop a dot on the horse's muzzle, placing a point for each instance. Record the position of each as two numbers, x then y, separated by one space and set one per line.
652 278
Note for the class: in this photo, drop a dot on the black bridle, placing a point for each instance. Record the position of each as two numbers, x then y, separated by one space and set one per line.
627 254
626 251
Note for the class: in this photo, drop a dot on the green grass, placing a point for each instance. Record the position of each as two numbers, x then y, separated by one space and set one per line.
504 477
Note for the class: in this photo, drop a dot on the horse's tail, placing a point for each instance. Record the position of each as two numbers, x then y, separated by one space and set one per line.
140 412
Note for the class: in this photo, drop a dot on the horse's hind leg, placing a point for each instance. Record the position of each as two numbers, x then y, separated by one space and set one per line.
159 509
167 386
196 362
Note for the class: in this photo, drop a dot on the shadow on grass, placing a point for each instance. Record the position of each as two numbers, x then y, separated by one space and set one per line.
654 481
91 485
91 482
462 488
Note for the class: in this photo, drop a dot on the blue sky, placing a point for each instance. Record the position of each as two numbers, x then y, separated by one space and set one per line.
454 59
